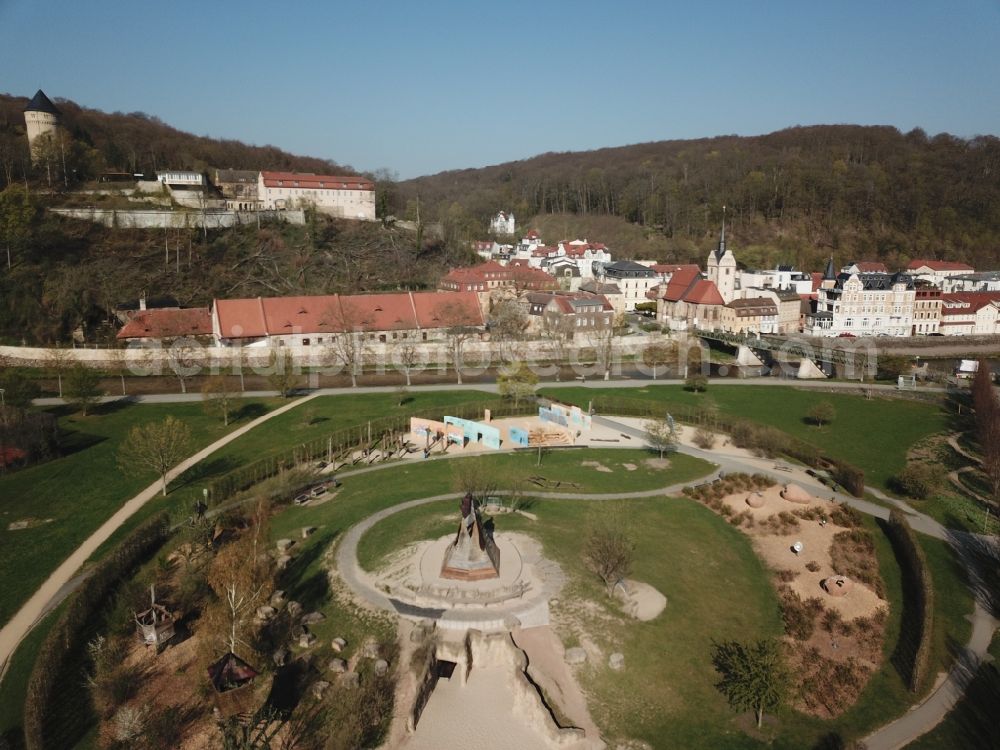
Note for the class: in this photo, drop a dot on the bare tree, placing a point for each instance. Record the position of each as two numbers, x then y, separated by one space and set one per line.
458 320
218 398
57 361
558 331
603 341
157 446
408 356
609 547
83 386
516 382
508 323
241 575
347 347
660 354
283 375
182 359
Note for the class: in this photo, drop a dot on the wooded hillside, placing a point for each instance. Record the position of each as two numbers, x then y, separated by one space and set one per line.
67 274
795 195
135 142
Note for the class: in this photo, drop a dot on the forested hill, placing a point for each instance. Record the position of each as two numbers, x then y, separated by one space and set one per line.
136 142
796 194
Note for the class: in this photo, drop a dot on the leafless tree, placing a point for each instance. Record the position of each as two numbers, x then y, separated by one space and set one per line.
458 320
347 345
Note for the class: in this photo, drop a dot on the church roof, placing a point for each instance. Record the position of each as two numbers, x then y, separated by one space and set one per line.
41 103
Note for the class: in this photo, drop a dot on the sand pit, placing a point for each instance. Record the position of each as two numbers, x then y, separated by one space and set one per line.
596 465
657 463
630 467
816 540
642 601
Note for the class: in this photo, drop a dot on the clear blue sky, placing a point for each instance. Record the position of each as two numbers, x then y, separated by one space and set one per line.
420 87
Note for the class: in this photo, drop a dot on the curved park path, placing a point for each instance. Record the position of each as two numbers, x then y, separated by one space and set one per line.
920 719
55 585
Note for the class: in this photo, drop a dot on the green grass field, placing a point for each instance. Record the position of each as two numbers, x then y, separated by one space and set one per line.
68 498
564 466
873 435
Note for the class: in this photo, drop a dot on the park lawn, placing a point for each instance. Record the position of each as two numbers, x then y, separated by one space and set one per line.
873 435
420 524
313 421
80 490
15 682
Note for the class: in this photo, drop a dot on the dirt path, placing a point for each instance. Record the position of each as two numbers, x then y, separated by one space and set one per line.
35 608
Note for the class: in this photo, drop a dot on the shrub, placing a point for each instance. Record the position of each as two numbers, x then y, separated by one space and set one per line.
852 554
799 616
696 384
851 477
812 566
704 439
917 480
912 657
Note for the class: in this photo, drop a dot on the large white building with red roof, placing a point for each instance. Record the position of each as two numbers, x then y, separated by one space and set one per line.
936 271
970 314
348 197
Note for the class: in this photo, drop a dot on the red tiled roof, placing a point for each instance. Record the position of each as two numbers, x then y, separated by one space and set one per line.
680 283
817 279
316 181
165 324
938 265
704 292
252 318
672 268
443 309
963 303
532 235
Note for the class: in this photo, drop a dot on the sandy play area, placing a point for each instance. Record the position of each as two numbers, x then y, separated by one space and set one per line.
816 539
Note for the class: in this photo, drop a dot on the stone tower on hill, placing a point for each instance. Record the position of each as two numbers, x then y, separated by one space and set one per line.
41 117
721 266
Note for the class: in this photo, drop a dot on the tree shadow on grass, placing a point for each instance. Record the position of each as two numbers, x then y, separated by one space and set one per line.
249 412
310 588
74 441
212 467
972 722
981 556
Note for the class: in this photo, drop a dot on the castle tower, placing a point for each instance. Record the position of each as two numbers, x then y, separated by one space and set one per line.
721 266
41 117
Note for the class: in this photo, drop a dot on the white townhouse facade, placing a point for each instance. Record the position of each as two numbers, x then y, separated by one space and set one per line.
864 304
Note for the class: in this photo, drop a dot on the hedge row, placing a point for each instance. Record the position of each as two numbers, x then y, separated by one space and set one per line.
68 635
745 434
912 657
345 441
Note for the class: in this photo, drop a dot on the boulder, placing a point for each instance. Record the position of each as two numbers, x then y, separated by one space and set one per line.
349 679
307 531
338 644
370 650
306 640
795 494
616 661
284 545
575 655
283 561
280 657
313 617
278 599
294 609
338 666
318 688
265 613
381 667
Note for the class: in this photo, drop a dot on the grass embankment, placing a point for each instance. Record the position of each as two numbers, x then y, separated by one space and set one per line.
872 435
66 499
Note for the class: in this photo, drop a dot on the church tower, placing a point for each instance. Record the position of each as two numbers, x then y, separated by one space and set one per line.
721 266
41 117
829 276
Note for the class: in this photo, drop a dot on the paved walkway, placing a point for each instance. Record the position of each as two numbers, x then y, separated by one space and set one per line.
55 586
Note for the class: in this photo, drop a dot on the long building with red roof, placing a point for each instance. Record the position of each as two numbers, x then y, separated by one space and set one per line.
349 197
317 320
